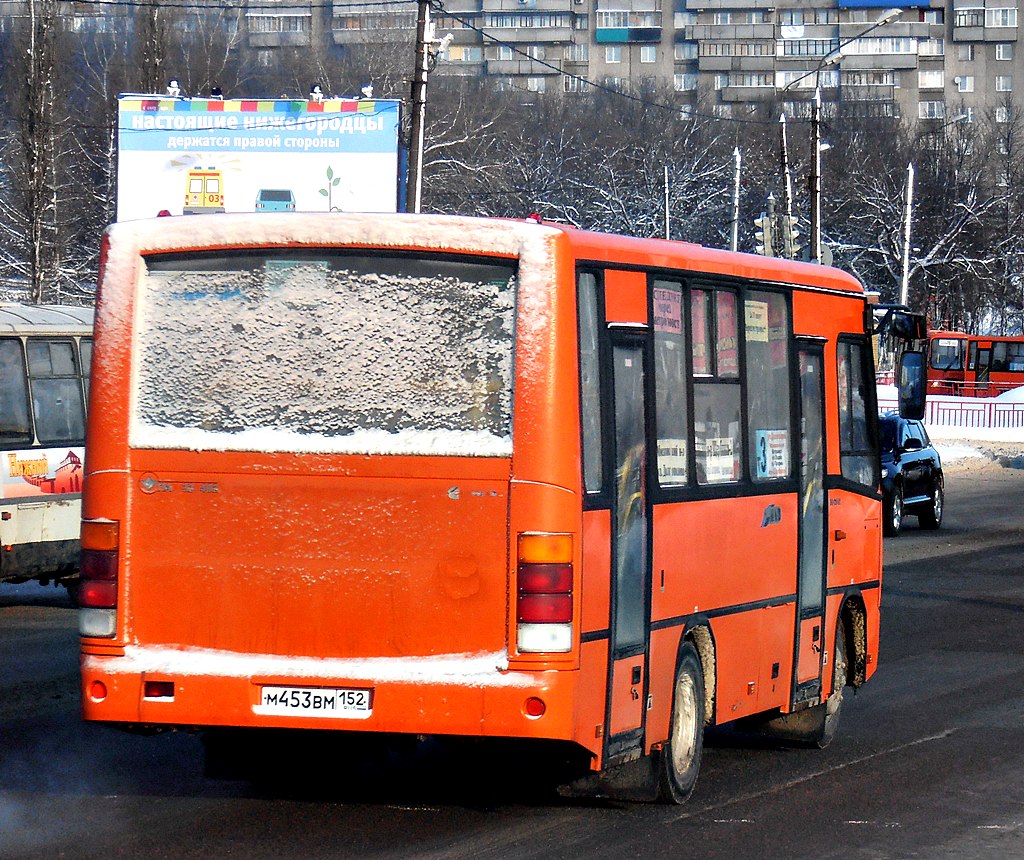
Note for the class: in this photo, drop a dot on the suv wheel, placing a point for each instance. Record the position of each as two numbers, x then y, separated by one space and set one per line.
894 513
932 517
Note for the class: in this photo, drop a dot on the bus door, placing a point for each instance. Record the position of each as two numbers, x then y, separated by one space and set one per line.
627 680
983 367
811 577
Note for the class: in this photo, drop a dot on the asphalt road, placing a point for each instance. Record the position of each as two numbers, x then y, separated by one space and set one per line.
927 763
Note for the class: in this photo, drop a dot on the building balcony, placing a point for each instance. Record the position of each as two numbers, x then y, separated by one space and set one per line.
521 5
531 35
523 67
279 40
747 94
626 35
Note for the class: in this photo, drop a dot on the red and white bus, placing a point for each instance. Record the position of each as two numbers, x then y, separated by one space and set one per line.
971 365
45 351
431 475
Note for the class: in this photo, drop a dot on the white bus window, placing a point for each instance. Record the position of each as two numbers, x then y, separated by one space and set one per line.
14 424
57 401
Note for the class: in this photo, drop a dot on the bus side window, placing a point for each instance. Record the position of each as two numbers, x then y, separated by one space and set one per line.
766 335
590 383
670 413
14 423
57 401
859 462
716 392
85 348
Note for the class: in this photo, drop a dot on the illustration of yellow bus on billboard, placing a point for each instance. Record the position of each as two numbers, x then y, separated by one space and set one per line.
204 191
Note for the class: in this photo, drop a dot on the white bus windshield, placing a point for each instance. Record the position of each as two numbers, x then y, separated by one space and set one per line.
325 351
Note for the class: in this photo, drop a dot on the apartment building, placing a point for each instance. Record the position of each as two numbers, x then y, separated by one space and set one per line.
938 61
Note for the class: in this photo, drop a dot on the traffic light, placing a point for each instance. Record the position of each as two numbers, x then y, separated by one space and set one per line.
765 235
790 245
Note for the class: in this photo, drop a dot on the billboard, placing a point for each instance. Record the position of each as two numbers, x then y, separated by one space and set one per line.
191 155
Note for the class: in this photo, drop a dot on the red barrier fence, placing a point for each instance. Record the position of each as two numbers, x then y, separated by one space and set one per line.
957 413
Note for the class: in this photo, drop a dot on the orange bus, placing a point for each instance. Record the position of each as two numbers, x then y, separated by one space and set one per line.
431 475
971 365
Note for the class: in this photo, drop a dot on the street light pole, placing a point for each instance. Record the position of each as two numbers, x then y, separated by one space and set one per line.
419 104
908 214
815 183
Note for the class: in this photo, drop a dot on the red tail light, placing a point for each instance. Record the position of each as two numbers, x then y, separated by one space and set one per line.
544 593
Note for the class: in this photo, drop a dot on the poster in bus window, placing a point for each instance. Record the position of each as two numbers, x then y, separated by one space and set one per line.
756 320
698 313
671 462
668 310
726 342
772 453
200 156
41 472
719 460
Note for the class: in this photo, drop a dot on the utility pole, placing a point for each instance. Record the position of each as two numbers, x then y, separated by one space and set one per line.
787 175
419 104
905 282
734 243
668 224
815 249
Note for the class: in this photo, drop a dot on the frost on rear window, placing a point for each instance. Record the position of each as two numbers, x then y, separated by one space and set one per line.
325 352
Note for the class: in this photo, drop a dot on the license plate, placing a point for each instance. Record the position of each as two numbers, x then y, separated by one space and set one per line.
316 702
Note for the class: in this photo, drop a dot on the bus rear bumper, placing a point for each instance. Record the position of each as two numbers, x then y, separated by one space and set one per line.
472 695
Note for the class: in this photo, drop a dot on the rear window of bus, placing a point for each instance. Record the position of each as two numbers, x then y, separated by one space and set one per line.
325 351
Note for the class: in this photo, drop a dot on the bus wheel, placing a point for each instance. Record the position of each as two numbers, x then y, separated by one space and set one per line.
931 518
893 514
834 703
680 756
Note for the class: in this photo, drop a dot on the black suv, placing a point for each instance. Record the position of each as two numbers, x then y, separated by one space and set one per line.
911 474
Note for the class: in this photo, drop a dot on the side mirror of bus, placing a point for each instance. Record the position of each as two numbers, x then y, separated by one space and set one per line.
911 385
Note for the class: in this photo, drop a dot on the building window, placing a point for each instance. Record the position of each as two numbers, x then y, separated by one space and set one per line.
931 16
931 110
648 54
1004 51
722 18
1002 114
826 16
579 53
684 82
536 85
613 54
930 80
278 23
969 18
685 51
791 17
1004 84
683 19
573 84
965 84
506 53
1001 17
965 53
465 54
534 52
931 48
581 22
721 82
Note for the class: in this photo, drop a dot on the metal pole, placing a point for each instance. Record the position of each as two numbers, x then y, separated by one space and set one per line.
419 103
734 243
668 223
787 175
905 283
816 177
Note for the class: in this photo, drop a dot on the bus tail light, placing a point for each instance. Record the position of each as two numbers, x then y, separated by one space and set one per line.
97 590
544 593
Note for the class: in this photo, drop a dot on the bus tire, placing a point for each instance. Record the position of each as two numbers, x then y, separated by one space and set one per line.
834 704
931 518
892 520
680 756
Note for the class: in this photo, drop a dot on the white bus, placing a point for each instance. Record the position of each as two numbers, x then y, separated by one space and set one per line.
45 353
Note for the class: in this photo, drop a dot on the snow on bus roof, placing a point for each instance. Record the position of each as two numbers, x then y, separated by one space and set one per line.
19 317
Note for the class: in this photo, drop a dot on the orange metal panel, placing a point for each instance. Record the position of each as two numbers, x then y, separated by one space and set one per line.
625 297
627 695
597 541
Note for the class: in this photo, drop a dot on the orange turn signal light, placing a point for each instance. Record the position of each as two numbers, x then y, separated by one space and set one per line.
99 534
545 548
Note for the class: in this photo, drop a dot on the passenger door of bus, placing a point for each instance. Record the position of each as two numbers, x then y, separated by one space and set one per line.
627 677
813 525
983 368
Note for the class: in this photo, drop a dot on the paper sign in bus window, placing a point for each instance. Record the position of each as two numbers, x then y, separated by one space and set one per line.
772 453
668 310
671 462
